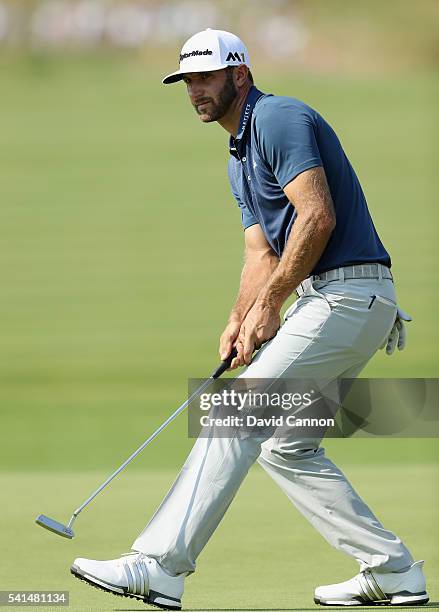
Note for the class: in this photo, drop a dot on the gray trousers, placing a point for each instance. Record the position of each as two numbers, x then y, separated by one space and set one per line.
329 332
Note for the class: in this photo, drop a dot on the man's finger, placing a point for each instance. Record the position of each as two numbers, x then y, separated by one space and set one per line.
225 349
227 345
240 342
237 361
249 347
234 364
241 332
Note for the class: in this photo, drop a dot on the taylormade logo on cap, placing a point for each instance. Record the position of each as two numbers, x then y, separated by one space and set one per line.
209 50
193 53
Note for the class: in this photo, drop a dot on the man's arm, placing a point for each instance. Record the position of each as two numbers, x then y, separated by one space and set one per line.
310 195
259 264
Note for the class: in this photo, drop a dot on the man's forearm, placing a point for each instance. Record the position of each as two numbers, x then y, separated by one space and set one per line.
305 245
256 272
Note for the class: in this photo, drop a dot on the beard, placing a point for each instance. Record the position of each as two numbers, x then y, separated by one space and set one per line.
215 109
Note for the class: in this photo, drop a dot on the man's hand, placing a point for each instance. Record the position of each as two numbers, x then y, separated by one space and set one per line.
227 340
260 262
260 325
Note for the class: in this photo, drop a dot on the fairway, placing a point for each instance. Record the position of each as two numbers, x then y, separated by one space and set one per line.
122 250
264 555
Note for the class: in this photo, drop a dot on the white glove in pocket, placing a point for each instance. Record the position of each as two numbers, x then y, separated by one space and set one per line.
398 334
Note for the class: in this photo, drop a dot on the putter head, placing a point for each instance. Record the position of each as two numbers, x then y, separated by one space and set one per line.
54 526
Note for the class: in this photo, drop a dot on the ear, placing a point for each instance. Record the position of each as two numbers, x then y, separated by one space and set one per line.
240 75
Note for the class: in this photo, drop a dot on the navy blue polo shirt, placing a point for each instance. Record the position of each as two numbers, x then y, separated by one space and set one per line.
279 138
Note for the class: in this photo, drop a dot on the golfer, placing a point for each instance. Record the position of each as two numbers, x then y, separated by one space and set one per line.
307 229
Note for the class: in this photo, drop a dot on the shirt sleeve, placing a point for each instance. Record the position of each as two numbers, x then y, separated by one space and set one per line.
247 217
286 139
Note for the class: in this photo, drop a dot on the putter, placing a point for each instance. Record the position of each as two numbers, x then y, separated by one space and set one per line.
66 531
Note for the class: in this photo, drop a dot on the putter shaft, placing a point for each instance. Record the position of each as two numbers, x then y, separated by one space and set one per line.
140 449
67 531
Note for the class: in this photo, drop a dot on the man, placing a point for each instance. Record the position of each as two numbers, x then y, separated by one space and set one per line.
307 228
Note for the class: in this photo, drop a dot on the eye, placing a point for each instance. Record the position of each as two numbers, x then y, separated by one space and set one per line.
205 76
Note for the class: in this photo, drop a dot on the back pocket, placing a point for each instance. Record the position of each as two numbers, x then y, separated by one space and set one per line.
377 324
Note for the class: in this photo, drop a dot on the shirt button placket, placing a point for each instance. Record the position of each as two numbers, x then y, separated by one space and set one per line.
249 178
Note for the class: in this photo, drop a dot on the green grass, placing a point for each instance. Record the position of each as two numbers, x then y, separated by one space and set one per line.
121 251
121 243
264 555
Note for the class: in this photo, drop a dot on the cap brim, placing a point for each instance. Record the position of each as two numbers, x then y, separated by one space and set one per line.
176 76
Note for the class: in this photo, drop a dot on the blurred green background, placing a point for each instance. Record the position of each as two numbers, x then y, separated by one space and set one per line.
121 252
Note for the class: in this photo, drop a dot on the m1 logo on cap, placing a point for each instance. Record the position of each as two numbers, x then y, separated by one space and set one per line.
235 57
195 53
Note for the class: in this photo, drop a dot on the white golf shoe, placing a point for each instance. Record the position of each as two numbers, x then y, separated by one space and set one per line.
371 587
133 575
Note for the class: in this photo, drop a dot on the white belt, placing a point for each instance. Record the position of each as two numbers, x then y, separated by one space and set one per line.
372 270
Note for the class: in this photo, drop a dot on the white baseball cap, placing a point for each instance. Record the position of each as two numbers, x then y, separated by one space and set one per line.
209 50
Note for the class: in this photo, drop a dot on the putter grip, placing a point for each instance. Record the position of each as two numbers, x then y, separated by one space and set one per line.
225 365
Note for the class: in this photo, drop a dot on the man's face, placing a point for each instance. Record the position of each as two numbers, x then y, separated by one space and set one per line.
211 93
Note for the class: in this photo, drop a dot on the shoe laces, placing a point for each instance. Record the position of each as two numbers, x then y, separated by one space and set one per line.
132 552
136 553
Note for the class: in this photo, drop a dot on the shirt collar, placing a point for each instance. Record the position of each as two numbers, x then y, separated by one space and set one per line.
252 97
